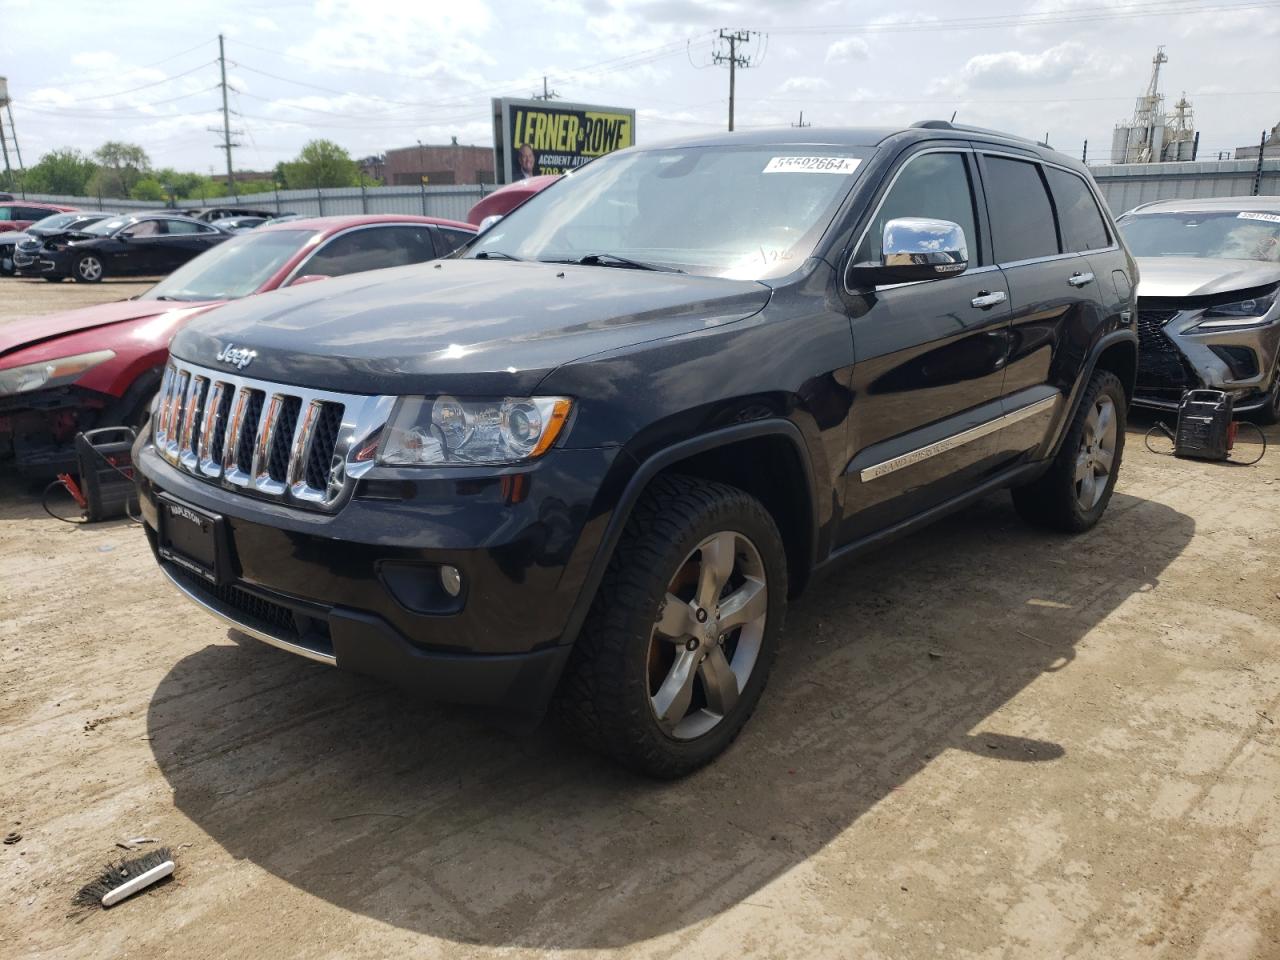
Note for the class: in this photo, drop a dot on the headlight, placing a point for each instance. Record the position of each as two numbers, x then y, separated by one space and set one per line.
427 431
50 373
1242 313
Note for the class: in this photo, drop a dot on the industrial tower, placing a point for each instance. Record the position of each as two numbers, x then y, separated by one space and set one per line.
8 137
1152 136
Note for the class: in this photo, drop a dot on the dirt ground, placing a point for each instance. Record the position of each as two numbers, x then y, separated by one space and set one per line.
983 741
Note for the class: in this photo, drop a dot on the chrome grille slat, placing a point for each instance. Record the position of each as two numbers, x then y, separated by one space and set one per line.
290 444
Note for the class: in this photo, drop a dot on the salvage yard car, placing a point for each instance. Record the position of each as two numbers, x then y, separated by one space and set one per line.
27 245
1208 311
587 463
100 366
139 244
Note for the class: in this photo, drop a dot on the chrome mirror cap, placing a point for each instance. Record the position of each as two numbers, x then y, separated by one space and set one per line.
914 249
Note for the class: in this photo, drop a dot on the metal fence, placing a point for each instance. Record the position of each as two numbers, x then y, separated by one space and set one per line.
450 203
1125 185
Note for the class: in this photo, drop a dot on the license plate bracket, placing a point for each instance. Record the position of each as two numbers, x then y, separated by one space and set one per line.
194 539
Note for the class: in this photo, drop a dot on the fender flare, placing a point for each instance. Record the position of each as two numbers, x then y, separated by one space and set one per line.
651 467
147 380
1077 392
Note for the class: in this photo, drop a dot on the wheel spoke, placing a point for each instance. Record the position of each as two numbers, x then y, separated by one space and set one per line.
1082 466
671 702
1087 488
676 619
1103 460
749 602
1106 418
717 564
718 682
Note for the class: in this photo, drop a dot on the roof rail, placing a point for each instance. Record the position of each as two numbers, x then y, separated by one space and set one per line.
965 128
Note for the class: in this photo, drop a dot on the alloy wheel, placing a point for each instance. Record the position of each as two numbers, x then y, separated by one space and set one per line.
706 641
90 268
1096 457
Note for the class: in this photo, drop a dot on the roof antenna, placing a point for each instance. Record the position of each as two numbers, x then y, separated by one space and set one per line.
953 115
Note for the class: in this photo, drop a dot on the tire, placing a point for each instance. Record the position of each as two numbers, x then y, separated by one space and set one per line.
88 269
6 264
1073 493
1269 412
627 664
55 279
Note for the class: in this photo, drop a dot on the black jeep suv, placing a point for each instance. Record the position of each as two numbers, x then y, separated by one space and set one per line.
586 463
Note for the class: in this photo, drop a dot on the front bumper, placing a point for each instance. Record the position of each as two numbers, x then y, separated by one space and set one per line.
52 264
355 588
1173 357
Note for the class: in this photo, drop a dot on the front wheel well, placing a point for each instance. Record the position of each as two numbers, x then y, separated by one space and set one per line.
1122 360
771 470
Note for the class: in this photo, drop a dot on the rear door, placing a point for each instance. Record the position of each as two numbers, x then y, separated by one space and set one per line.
929 356
185 240
1053 292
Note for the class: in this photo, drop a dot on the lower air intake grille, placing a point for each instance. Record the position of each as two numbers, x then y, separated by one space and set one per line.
1163 372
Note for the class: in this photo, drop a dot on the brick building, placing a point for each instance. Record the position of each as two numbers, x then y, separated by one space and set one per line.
443 165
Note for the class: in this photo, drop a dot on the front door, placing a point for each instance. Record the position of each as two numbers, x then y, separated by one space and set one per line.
929 358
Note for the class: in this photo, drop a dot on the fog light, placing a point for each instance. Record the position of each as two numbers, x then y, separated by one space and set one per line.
451 580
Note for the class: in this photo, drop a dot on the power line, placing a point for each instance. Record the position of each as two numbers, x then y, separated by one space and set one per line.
83 81
147 86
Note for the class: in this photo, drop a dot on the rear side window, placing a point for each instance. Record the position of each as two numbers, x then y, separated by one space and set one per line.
371 248
1022 225
934 185
33 213
7 213
183 226
1083 226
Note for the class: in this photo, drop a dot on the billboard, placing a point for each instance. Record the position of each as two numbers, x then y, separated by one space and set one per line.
535 137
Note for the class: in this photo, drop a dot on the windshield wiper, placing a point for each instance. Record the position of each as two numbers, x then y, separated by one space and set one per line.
612 259
494 255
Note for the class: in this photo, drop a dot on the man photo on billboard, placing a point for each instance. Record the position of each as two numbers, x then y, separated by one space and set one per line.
526 163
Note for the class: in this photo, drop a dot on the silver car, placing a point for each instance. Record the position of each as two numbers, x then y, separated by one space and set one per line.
1208 310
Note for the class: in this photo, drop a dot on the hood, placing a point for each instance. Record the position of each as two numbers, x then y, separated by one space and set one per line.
19 334
1201 276
483 326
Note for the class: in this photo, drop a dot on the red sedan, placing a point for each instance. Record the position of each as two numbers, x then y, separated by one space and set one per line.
20 214
100 366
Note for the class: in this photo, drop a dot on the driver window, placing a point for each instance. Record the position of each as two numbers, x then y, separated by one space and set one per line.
934 185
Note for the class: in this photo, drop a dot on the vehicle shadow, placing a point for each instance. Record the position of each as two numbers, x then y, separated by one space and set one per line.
426 818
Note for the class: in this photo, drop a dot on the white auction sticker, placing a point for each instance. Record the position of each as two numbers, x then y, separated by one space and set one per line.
812 165
1268 217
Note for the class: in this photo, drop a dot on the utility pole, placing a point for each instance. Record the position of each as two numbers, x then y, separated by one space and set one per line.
1257 171
800 122
226 130
546 94
734 59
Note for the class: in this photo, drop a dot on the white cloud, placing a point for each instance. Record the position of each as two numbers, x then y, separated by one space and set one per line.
803 85
1014 68
848 50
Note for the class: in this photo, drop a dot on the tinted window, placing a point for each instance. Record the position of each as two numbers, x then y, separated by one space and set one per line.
182 226
33 213
1083 226
7 213
1022 225
371 248
932 185
453 239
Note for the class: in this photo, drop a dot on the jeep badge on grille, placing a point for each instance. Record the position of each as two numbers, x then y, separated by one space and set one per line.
238 357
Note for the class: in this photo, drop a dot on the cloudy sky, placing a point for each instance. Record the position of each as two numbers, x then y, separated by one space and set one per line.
374 75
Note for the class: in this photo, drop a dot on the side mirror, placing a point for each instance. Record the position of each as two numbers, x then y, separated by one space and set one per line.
126 235
914 249
307 278
488 222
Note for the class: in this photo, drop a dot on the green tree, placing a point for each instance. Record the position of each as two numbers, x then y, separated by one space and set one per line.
126 162
149 188
64 172
322 163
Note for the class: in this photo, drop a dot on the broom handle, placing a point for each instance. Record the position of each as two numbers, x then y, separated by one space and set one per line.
137 883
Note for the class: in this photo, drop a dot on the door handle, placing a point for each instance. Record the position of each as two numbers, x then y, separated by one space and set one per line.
1080 279
986 300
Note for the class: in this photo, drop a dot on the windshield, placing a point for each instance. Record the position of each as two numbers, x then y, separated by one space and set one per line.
56 222
746 212
104 227
1244 235
234 268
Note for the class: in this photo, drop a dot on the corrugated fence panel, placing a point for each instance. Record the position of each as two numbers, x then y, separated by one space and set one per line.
450 203
1125 186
